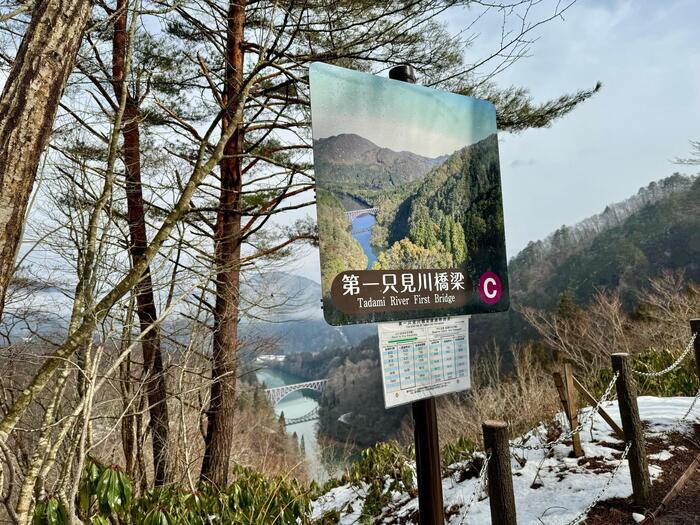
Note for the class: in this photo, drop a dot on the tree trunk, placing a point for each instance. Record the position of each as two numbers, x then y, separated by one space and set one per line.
227 247
128 422
28 107
155 387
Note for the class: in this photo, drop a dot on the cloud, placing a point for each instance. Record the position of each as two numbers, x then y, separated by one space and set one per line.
519 163
647 55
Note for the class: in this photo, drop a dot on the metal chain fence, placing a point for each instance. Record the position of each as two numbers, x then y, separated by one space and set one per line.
673 365
582 424
677 425
480 484
582 515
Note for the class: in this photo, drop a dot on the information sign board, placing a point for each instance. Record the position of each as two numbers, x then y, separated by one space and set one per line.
408 192
423 358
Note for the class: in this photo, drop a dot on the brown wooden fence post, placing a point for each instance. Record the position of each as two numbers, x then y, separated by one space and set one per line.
593 401
569 404
573 408
695 329
632 426
500 477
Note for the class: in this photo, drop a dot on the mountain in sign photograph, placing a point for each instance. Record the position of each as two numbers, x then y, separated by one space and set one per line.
356 169
434 204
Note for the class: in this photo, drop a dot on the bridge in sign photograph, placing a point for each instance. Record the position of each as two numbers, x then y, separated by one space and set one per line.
358 213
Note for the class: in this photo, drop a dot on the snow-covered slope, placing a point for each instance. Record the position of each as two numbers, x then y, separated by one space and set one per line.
550 488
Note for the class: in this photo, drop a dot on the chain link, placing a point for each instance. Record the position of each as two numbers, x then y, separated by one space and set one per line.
677 425
480 484
582 515
568 435
692 406
673 365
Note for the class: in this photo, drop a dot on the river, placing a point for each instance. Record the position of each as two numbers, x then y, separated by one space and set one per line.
302 402
298 404
362 233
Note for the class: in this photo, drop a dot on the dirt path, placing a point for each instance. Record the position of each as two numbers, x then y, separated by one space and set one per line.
686 507
683 510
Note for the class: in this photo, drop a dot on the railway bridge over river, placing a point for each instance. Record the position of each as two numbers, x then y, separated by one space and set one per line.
353 214
277 394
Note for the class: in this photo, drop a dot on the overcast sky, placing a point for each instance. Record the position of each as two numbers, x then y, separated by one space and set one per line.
647 54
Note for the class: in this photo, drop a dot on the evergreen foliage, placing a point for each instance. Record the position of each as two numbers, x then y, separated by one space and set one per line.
622 248
351 409
405 254
456 208
344 252
106 497
662 234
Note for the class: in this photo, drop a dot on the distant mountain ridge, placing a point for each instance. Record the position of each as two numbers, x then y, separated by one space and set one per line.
349 148
539 260
286 309
620 249
281 311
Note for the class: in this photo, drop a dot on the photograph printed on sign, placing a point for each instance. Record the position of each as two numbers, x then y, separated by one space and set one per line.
409 206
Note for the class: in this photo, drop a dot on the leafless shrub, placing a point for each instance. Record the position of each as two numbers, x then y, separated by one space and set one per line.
522 399
588 336
666 306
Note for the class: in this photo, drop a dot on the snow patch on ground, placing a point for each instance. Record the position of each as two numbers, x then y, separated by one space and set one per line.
347 499
550 488
664 455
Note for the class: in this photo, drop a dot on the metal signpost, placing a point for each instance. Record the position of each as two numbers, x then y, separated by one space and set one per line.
425 431
410 233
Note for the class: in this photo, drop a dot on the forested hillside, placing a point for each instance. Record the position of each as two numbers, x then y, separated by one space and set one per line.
459 204
344 253
619 249
455 212
623 246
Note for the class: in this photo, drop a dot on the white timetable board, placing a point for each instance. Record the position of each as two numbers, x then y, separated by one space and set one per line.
423 358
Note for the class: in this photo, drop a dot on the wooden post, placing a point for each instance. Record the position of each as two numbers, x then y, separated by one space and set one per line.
430 503
566 398
559 383
695 329
632 426
675 490
573 409
593 401
500 477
